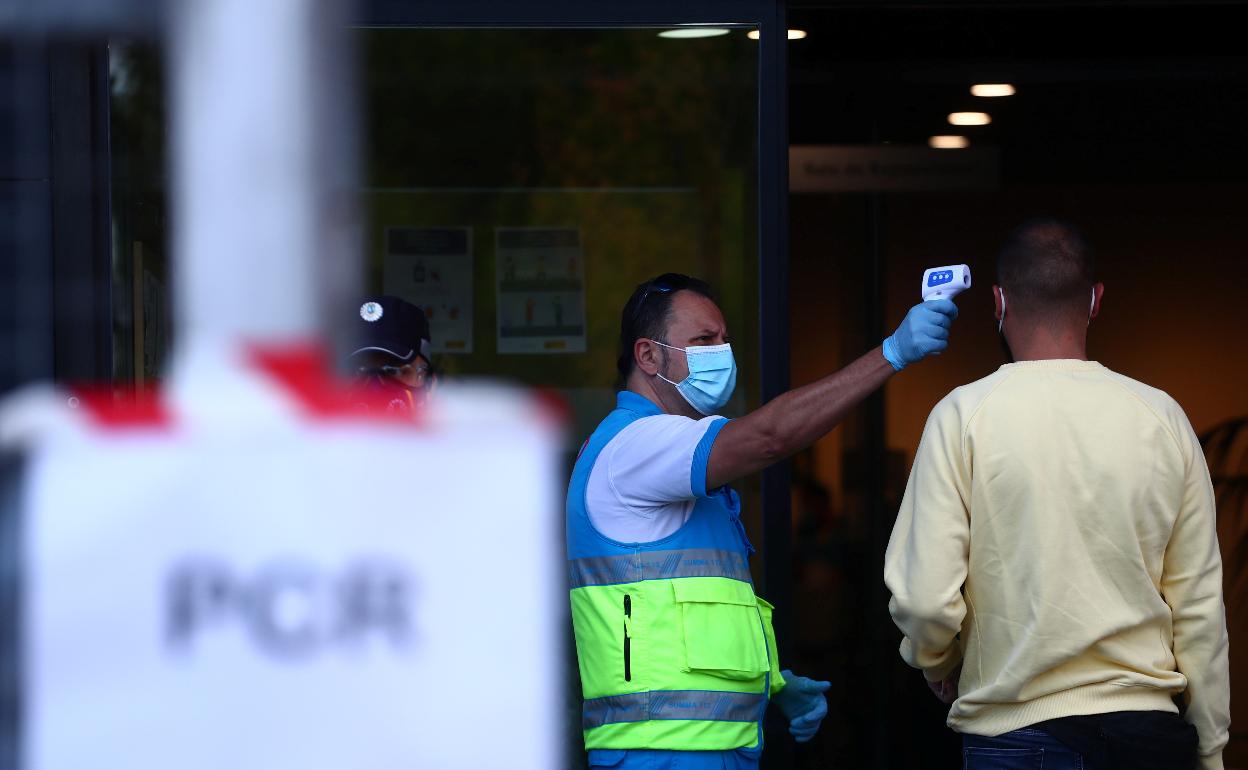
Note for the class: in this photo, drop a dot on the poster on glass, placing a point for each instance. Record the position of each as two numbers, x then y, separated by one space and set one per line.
541 290
431 267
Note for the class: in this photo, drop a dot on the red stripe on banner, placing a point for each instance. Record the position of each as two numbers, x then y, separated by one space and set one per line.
303 371
553 406
118 409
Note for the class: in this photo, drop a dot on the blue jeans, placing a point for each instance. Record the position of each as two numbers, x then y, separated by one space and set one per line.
1117 740
1025 749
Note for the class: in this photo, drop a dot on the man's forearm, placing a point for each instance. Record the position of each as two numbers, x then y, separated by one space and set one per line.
794 420
802 416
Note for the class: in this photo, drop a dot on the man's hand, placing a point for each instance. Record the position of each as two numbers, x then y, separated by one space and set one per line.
803 702
946 689
924 331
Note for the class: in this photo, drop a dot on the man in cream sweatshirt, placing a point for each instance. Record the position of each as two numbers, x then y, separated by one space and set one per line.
1054 567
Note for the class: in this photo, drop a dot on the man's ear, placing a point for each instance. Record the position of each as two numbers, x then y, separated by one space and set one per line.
996 302
647 356
1098 289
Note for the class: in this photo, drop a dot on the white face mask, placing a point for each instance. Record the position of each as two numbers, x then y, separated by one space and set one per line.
1001 320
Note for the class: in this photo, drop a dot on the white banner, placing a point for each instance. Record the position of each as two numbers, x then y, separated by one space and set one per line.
330 594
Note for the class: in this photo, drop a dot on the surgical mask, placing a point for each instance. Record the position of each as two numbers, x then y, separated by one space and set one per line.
376 392
712 376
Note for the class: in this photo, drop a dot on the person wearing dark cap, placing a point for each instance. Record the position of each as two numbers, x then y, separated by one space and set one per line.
392 354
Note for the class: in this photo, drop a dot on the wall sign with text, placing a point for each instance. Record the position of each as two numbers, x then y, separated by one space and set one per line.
431 267
541 290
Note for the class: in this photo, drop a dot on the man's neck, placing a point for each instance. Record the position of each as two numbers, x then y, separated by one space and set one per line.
670 403
1039 343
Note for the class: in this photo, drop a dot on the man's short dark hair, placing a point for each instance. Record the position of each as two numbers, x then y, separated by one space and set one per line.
1046 265
646 313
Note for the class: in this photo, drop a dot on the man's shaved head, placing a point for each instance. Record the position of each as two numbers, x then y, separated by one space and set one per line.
1046 268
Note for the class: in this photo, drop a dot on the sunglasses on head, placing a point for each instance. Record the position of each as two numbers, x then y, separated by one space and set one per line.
664 284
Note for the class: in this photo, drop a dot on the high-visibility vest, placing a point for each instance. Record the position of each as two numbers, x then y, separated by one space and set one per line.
675 650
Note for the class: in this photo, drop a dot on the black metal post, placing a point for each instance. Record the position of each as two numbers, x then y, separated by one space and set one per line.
26 339
773 304
80 236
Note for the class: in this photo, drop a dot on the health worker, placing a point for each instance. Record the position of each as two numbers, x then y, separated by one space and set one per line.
677 654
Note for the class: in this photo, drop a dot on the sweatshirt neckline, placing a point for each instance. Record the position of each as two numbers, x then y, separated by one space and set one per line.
1061 364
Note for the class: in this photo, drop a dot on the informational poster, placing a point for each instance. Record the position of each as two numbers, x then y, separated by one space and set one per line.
541 290
235 585
431 267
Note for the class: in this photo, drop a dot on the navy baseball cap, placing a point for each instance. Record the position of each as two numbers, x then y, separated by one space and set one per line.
396 327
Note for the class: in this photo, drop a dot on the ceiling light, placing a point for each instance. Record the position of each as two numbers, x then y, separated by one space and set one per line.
948 142
686 33
992 89
969 118
794 34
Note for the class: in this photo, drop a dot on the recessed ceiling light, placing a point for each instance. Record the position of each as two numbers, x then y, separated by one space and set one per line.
794 34
992 89
686 33
948 142
969 118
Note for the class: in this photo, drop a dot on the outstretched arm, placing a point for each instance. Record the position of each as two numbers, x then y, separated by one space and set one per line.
795 420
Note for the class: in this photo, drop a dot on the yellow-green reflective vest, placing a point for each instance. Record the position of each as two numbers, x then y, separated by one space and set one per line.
675 650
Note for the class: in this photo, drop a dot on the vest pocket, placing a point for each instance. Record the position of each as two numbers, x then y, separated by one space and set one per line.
723 632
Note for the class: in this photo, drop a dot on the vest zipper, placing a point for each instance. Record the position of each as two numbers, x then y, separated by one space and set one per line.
628 641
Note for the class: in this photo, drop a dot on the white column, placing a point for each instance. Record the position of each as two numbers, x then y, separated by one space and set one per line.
265 243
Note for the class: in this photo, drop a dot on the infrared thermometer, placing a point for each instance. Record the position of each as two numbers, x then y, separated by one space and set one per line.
945 282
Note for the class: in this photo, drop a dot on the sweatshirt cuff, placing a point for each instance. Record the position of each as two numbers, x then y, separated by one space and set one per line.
937 673
942 672
1211 761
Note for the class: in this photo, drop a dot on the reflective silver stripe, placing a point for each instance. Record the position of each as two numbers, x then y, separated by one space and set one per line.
704 705
657 565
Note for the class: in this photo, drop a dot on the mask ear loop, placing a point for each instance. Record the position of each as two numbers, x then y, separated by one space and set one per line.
1001 320
659 374
1092 306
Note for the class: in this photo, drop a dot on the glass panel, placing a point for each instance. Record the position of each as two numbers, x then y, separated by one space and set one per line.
140 212
563 167
1141 149
516 183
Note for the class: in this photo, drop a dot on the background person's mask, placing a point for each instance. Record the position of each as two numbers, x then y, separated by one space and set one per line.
712 376
377 393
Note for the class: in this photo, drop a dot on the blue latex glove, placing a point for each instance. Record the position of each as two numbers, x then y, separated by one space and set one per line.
924 331
803 702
